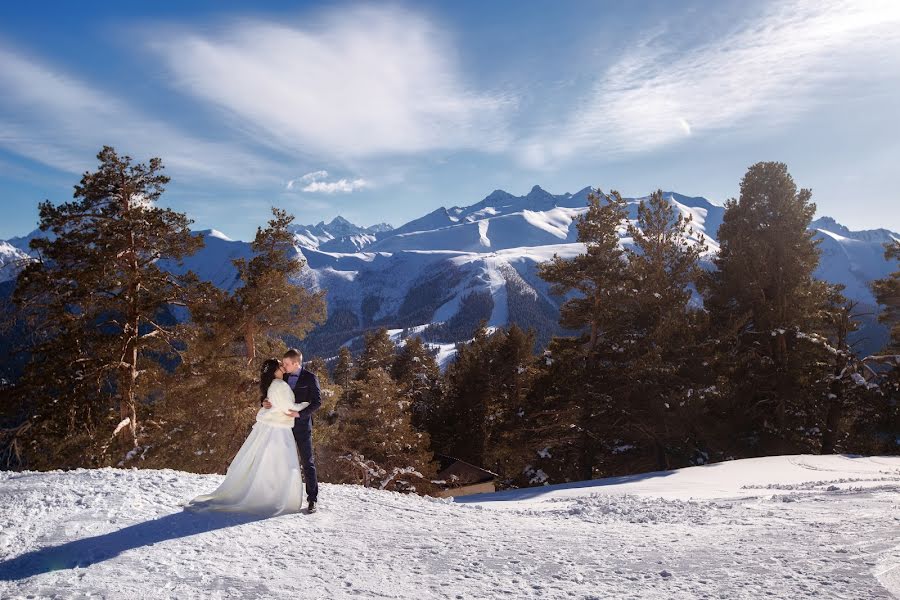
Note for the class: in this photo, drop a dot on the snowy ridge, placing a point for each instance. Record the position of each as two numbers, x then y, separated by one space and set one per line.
11 259
781 527
378 275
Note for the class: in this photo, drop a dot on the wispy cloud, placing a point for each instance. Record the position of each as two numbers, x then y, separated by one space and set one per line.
313 183
763 73
350 83
61 121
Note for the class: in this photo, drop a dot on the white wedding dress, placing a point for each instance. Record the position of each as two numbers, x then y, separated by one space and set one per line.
264 477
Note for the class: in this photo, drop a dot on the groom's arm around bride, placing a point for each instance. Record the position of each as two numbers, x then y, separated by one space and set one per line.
307 390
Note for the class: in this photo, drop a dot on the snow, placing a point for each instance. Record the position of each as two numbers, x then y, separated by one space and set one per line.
219 235
780 527
12 260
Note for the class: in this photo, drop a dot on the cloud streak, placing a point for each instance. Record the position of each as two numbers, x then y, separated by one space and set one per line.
356 83
763 73
58 120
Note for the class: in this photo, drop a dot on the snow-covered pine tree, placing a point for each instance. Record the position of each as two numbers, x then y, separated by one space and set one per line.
417 373
97 304
376 439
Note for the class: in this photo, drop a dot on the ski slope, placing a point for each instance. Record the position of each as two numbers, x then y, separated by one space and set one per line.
778 527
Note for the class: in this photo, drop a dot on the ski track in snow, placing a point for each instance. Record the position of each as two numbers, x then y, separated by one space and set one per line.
825 527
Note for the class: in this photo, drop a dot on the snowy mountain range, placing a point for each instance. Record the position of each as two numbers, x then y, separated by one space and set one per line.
443 272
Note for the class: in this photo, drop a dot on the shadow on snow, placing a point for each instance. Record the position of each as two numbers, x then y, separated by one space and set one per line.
85 552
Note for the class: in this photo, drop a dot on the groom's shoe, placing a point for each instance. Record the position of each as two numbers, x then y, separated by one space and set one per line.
311 508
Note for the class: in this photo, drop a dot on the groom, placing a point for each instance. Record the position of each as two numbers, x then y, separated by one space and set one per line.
306 389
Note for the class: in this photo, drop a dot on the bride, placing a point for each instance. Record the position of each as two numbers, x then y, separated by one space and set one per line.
264 477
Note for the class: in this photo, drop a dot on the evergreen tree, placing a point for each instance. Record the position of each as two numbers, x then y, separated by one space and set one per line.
599 279
659 339
566 411
378 442
887 293
343 369
598 274
97 302
318 366
482 418
765 304
461 426
512 373
378 353
417 373
210 404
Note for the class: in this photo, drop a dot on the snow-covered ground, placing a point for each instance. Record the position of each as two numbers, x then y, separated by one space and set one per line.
782 527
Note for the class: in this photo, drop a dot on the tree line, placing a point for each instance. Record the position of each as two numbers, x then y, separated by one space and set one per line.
133 366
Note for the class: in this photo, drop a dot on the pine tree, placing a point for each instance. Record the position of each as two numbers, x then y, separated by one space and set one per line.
597 275
765 305
378 353
210 404
461 426
659 337
599 278
99 303
887 293
378 442
343 370
511 377
317 365
417 373
482 417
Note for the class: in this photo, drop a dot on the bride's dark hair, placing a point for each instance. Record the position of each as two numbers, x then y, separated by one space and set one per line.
266 375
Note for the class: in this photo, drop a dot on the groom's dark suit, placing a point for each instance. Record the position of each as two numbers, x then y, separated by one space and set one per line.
306 389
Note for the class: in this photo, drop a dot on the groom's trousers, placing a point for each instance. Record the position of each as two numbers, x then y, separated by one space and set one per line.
303 437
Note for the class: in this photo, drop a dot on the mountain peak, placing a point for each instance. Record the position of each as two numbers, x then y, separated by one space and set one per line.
380 227
880 235
340 221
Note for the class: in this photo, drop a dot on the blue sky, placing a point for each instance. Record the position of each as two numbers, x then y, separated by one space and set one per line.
385 111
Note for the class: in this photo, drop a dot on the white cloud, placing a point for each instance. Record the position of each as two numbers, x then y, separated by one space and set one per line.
331 187
762 74
314 183
314 176
353 83
60 121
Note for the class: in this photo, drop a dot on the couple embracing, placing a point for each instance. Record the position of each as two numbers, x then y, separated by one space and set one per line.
265 475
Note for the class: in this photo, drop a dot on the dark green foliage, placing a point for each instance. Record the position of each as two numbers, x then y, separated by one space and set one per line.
769 313
343 368
378 353
211 401
376 442
481 418
94 300
419 378
887 293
